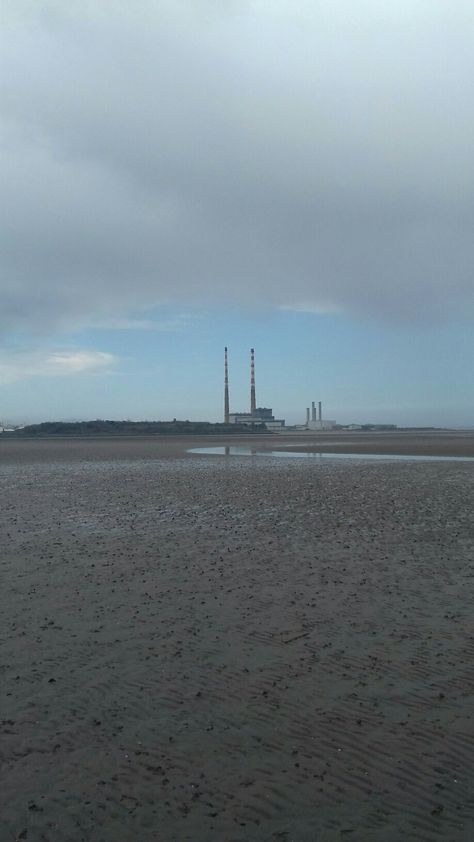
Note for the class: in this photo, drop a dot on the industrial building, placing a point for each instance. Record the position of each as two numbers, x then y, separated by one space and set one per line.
258 414
313 423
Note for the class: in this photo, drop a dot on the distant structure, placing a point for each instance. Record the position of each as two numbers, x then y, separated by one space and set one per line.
258 414
5 427
253 404
226 388
317 423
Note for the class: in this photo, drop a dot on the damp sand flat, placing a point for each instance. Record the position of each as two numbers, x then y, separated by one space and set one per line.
208 649
398 442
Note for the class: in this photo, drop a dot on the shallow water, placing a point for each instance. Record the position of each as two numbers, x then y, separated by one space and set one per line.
250 451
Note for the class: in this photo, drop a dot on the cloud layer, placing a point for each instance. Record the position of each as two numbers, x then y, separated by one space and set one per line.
17 365
316 156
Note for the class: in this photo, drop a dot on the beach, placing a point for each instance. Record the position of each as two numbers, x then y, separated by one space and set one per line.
225 649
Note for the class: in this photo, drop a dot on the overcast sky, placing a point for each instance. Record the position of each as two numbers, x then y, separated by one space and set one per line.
182 174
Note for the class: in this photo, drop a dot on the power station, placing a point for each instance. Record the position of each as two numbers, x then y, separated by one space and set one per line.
264 415
313 423
257 414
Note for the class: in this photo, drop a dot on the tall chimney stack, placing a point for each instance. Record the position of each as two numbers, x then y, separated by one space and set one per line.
313 411
226 389
307 415
253 405
320 411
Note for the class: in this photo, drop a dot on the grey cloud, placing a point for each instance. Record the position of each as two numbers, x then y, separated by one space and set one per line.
244 153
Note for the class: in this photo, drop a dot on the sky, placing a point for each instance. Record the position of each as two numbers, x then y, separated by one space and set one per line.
180 175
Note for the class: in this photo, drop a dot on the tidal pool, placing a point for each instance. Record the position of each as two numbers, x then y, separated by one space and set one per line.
250 451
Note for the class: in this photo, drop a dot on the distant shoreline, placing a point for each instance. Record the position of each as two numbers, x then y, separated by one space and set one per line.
131 429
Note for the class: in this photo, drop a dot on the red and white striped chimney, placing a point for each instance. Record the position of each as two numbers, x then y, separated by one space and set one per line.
253 404
226 389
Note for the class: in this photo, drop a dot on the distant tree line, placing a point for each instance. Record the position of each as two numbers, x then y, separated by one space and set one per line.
135 428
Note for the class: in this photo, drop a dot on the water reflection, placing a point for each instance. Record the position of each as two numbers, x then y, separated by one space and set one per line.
231 450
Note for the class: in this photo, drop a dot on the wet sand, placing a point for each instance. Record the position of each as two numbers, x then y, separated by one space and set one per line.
200 648
398 442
